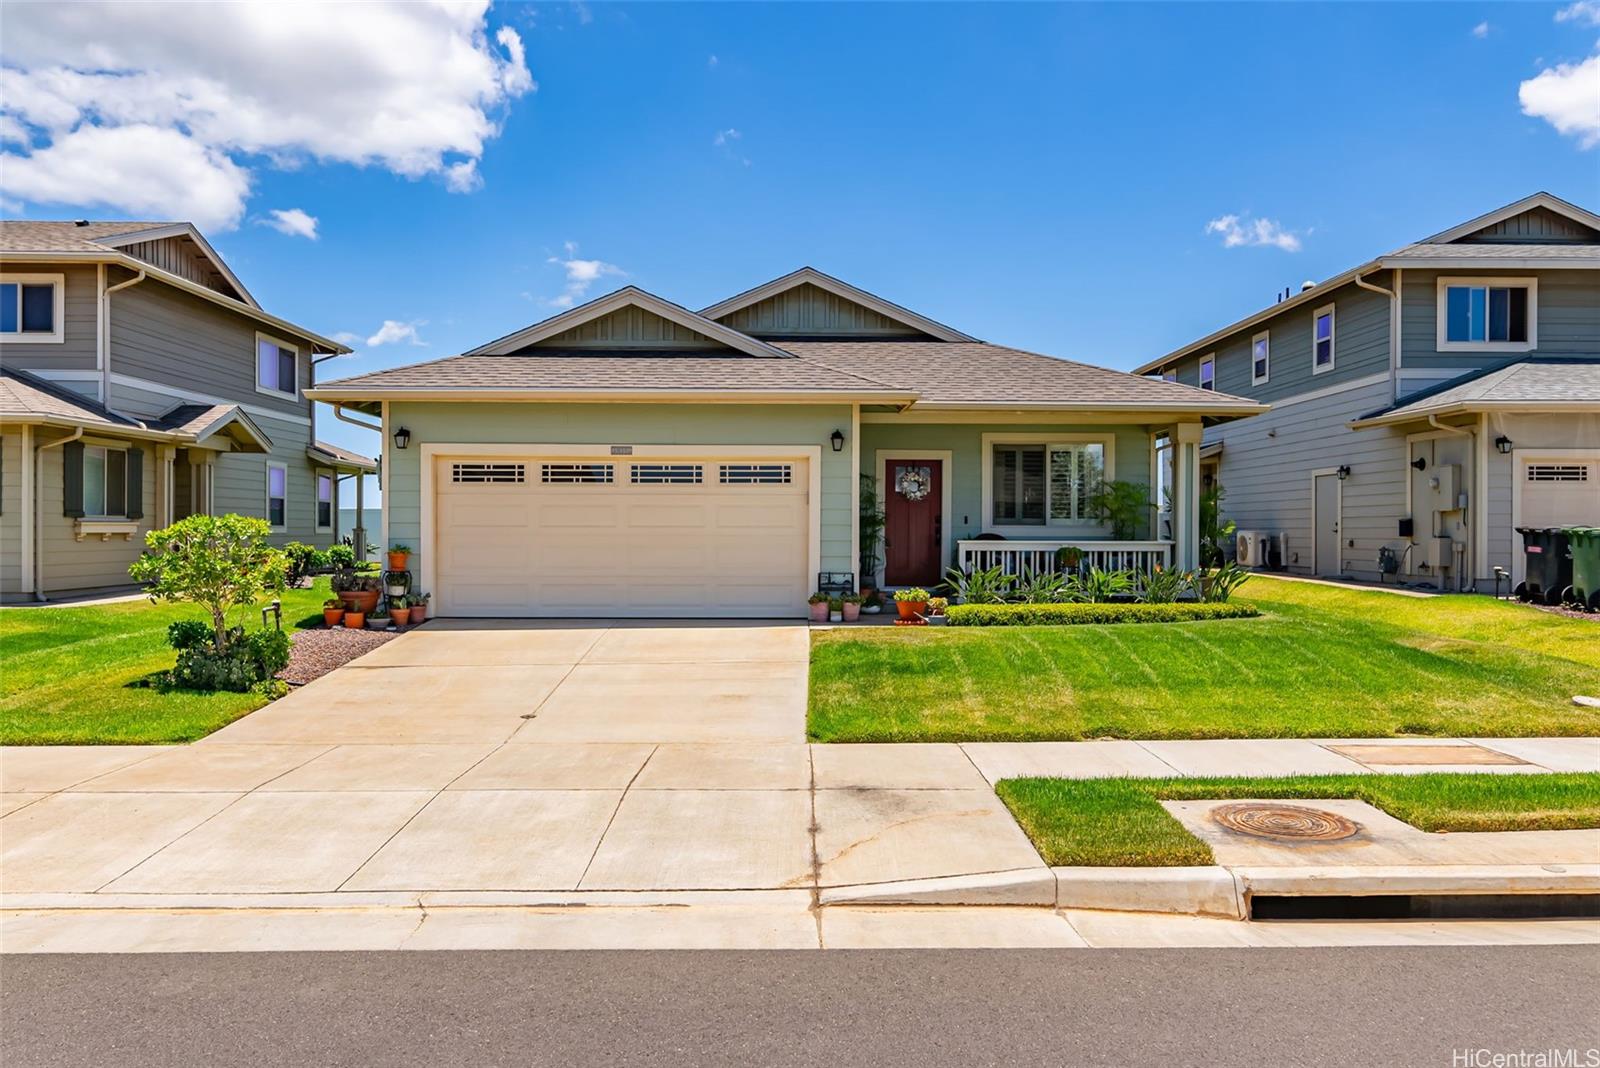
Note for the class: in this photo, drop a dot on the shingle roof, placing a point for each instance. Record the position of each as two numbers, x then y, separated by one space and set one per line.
1540 380
26 235
320 449
194 418
979 374
23 395
1466 251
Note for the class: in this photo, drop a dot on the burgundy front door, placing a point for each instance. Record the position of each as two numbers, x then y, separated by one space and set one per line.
914 523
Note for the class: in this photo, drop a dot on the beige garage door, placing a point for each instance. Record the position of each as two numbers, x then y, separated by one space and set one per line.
553 536
1560 493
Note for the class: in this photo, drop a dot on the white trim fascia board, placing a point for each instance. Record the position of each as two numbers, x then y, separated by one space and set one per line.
1518 458
688 396
432 451
1328 391
1441 312
946 458
133 263
838 288
1316 292
204 398
1440 373
343 466
624 297
1165 410
1566 407
1537 200
987 442
1479 263
66 422
237 415
58 284
183 230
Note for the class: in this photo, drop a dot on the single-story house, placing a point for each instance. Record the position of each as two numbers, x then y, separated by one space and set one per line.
630 457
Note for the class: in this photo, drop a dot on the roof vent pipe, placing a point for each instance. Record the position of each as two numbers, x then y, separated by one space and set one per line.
1307 285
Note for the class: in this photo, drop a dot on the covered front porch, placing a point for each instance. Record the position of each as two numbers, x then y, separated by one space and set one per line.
979 490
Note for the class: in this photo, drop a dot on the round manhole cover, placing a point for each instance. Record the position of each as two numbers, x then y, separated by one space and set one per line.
1292 823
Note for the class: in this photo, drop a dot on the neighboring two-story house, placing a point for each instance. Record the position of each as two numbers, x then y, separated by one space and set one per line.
140 382
1423 405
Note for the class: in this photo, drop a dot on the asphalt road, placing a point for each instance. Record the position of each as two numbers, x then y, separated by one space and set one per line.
1351 1007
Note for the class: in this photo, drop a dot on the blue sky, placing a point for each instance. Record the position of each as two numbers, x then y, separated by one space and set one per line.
1039 176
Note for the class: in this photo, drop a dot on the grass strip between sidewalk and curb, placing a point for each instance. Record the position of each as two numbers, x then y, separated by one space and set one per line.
1120 822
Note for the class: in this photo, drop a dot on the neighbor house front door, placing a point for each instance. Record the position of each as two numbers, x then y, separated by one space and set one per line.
914 522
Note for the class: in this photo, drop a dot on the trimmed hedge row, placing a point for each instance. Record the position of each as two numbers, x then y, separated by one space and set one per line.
1030 615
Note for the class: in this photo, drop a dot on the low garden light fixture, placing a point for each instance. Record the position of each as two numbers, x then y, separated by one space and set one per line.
1343 472
402 437
837 440
1502 445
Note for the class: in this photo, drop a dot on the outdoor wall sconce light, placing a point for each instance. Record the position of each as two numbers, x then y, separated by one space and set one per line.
402 437
837 440
1503 445
1343 472
1420 464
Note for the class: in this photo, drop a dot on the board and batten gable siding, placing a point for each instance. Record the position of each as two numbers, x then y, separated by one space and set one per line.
1568 317
164 335
964 441
10 512
182 257
1267 479
80 324
1536 226
811 311
630 327
1360 348
622 424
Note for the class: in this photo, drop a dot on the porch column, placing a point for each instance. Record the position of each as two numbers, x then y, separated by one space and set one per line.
1186 495
358 533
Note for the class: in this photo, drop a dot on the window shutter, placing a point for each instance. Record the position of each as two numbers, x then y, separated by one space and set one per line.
72 479
135 484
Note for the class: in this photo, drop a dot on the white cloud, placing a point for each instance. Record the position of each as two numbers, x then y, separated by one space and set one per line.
1481 30
1584 12
581 275
725 137
292 221
1567 96
712 60
392 332
1240 231
202 92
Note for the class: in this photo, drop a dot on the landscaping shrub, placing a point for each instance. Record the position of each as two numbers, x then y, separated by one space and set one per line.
188 633
248 660
217 562
1219 585
304 561
341 557
268 650
1030 615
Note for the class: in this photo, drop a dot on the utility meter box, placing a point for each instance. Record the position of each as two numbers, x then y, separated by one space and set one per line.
1444 483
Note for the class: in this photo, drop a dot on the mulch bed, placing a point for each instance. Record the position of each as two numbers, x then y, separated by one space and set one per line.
314 653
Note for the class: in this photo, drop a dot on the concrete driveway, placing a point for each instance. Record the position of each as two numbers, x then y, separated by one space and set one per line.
512 756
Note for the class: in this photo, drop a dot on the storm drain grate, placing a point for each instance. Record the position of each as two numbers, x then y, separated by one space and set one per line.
1292 823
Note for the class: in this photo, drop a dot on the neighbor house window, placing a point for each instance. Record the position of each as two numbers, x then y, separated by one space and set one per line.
1487 313
1039 484
30 307
276 366
1169 376
1208 373
1322 339
105 482
1260 357
277 496
324 500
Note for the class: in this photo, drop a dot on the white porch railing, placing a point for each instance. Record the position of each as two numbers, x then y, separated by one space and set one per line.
1032 557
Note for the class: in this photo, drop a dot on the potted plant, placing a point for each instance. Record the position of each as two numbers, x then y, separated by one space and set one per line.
419 606
872 604
358 592
355 618
399 556
852 607
400 611
835 610
1068 557
911 603
819 607
332 612
936 607
378 619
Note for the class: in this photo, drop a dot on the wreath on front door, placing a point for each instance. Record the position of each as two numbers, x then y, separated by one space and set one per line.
914 483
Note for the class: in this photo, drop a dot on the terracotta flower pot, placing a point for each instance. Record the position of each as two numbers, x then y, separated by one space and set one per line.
355 620
419 612
331 616
819 612
400 616
397 561
910 609
362 601
852 612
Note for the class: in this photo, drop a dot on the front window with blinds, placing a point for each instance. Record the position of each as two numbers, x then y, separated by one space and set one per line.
1046 484
30 307
1488 313
105 482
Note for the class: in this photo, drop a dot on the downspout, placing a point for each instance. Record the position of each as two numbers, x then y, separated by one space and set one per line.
105 341
38 511
338 413
1394 330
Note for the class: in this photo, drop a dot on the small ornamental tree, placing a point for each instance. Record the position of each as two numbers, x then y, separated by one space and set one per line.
217 562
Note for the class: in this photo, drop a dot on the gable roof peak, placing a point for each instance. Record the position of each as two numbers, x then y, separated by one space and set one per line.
839 288
1541 199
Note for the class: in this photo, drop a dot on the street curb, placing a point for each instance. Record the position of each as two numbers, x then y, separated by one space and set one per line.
1209 890
1022 886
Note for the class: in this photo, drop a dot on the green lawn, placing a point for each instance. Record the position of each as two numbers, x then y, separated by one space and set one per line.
1110 822
70 676
1321 662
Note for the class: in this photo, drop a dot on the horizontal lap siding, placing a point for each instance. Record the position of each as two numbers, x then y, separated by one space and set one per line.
1267 480
80 324
240 481
1568 318
10 513
70 565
